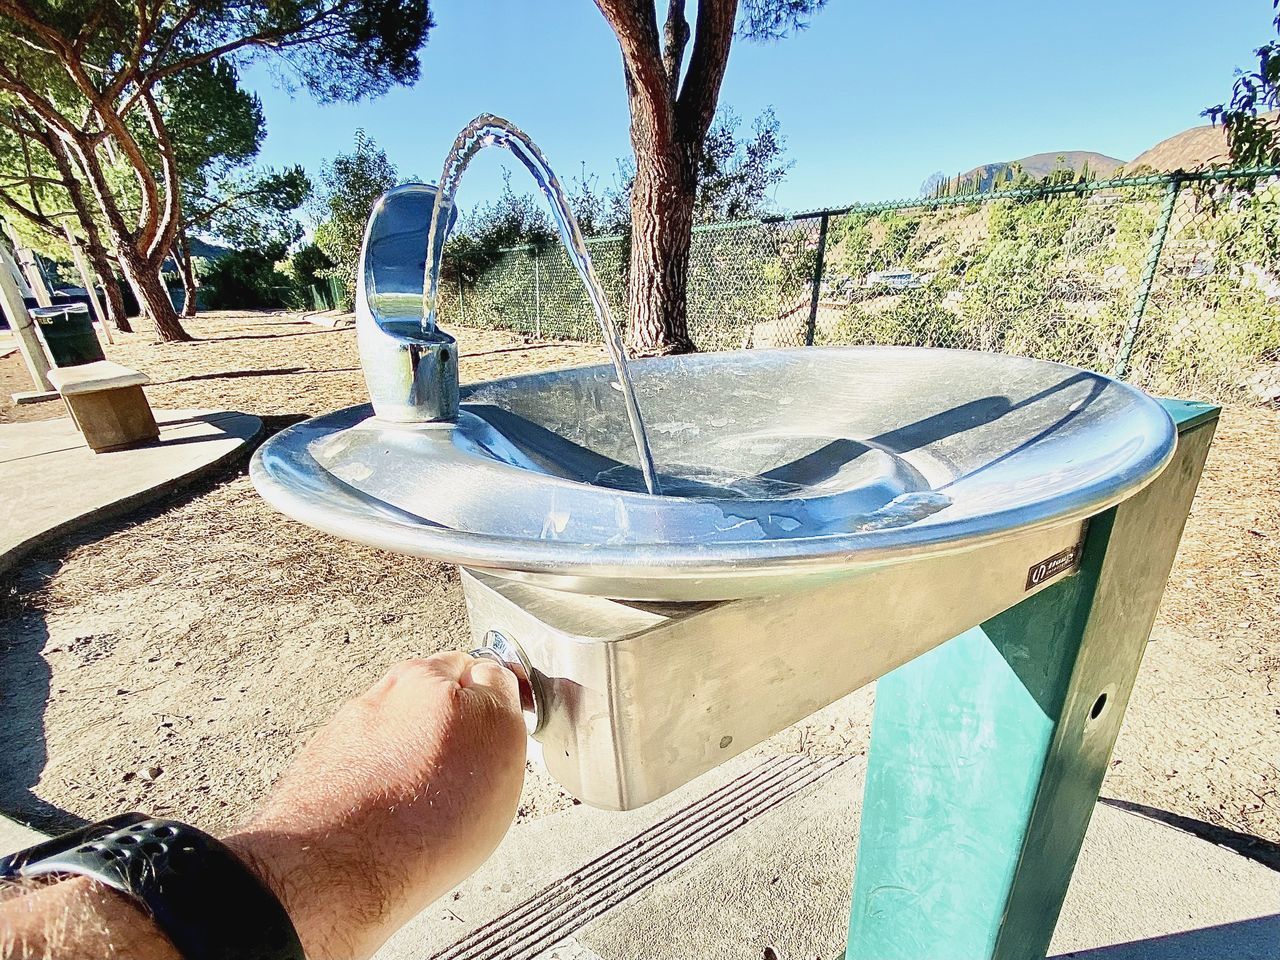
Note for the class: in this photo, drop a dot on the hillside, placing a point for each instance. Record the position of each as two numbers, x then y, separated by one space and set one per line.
1189 150
1041 165
208 250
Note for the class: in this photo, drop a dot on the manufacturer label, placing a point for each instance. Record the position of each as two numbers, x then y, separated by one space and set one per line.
1050 567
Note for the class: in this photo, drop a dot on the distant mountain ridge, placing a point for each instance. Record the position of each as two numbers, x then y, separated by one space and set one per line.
1192 149
208 250
1038 166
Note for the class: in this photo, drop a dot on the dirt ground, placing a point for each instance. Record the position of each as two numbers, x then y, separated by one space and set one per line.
175 659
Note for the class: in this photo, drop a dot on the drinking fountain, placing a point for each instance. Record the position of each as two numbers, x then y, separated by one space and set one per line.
989 534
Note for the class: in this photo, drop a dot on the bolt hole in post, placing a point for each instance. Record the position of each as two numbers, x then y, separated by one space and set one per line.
490 131
1098 706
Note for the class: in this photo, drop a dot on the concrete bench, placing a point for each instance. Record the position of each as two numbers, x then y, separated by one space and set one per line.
107 404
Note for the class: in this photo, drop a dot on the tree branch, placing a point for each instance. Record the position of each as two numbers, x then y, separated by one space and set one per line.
39 219
696 105
675 35
170 214
264 37
31 180
635 23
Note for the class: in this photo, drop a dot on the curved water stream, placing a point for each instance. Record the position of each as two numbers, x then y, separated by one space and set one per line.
491 131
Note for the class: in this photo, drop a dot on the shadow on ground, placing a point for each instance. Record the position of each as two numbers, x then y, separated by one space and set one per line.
25 691
1245 939
25 676
1265 852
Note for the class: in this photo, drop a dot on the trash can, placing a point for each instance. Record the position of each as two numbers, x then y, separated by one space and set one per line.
68 334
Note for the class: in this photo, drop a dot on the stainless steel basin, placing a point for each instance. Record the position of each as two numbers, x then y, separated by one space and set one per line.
784 468
826 514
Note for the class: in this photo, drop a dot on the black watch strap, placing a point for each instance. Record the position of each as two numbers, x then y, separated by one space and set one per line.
204 899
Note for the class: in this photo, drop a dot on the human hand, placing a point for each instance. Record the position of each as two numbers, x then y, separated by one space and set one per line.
402 795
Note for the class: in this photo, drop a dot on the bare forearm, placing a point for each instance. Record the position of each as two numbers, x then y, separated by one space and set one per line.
397 799
76 919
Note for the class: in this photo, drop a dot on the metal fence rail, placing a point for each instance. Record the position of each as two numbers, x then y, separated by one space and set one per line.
1169 280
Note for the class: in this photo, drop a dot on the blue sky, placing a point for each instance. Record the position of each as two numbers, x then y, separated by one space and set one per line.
873 98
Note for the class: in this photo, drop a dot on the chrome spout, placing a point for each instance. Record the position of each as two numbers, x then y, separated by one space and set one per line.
411 372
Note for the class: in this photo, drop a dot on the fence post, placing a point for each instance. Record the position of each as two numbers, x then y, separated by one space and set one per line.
1158 237
812 325
462 306
537 295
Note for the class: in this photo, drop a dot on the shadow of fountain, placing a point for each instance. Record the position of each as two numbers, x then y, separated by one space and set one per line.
1254 939
24 692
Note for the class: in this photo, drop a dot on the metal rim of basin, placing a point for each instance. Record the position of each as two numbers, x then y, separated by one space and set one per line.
290 478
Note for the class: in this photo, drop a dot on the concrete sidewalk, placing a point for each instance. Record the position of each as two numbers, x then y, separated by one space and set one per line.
16 836
62 485
758 856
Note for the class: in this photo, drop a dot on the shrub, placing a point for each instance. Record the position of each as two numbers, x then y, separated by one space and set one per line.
248 279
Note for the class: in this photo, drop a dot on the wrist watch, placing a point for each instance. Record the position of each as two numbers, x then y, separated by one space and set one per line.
200 894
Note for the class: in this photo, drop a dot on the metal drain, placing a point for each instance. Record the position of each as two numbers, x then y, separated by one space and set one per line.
566 906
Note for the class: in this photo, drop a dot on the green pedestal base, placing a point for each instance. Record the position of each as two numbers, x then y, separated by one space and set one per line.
987 753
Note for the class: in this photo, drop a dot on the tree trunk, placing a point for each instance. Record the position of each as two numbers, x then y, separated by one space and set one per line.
99 261
141 270
670 118
100 264
662 201
182 256
153 295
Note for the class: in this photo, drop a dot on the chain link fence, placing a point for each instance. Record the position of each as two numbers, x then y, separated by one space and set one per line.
1171 281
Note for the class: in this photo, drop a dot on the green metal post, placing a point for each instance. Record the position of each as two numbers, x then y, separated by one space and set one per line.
812 325
462 304
537 297
1158 237
987 753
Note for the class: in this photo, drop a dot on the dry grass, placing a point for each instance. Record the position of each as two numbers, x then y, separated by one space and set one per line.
207 637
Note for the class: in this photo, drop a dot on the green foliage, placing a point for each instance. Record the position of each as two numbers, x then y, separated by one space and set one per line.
215 125
861 243
309 265
1218 311
338 51
736 176
349 186
1253 138
602 211
145 97
918 319
736 173
254 208
1057 277
736 179
247 279
513 219
217 130
769 20
30 192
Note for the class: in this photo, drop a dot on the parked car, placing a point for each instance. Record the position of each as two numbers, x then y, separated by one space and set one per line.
894 279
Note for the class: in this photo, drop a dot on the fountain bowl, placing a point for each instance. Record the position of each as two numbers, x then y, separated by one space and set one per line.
781 469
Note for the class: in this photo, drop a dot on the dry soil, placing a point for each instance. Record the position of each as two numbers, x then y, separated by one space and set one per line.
175 659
